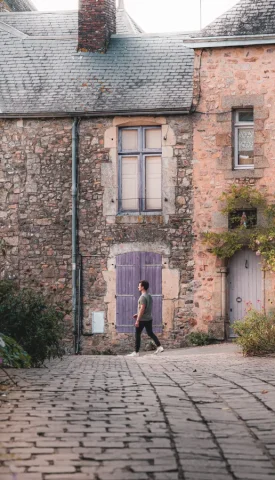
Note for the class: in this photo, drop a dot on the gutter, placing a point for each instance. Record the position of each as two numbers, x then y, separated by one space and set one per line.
74 231
229 41
122 113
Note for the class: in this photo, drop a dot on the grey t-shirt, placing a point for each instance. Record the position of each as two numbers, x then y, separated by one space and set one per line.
147 300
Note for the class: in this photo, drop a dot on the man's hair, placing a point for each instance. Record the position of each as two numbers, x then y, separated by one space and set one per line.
144 284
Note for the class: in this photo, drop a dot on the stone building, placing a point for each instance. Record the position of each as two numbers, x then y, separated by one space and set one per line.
234 91
115 148
93 95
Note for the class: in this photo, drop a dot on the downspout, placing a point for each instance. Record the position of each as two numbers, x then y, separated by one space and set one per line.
74 231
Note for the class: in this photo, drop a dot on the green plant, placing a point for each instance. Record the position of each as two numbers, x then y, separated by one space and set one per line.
224 244
256 332
200 338
12 355
240 196
263 242
32 321
261 239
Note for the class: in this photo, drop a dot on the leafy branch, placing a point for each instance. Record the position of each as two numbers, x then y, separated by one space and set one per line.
261 239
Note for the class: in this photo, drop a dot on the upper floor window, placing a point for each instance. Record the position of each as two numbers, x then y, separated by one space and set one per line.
244 139
140 169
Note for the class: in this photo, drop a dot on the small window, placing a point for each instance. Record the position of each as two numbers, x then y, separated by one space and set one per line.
245 218
244 139
140 169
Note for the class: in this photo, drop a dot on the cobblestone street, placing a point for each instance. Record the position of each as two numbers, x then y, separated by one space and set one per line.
199 414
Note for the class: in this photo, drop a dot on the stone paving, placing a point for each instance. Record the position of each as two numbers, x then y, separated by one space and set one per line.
196 415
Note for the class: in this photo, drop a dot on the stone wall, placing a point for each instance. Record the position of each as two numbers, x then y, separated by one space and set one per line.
103 234
35 220
35 204
228 78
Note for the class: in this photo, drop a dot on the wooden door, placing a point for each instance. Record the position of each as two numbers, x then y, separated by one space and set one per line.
130 269
244 284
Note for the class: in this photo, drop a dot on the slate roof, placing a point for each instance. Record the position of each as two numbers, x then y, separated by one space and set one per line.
61 23
20 5
139 73
43 23
248 17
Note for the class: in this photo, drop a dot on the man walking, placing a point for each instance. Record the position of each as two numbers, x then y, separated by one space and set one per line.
144 318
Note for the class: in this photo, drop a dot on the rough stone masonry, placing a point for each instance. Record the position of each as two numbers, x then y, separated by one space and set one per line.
35 219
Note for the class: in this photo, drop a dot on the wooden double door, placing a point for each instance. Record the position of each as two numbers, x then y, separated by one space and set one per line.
244 284
130 269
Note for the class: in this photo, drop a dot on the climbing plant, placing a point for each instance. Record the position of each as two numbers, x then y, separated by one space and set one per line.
260 238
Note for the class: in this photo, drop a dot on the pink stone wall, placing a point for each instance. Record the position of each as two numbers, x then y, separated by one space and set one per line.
228 78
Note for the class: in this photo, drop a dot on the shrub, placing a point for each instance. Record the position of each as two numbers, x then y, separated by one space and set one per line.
12 355
256 333
34 323
200 339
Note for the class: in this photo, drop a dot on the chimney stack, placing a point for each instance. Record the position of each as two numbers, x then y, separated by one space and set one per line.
96 24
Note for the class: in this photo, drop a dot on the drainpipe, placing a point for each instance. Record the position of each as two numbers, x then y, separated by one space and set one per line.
74 231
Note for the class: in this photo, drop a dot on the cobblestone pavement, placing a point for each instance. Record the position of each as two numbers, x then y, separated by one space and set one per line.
197 415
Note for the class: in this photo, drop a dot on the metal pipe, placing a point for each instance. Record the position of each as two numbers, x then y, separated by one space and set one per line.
74 230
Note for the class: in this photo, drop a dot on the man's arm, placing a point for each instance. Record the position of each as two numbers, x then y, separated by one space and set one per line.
141 312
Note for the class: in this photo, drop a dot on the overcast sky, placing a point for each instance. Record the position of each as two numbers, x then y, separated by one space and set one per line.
159 15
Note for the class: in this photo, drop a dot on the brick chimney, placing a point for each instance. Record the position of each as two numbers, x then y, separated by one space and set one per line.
96 24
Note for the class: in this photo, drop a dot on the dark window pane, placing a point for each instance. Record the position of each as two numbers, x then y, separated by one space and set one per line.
246 116
246 218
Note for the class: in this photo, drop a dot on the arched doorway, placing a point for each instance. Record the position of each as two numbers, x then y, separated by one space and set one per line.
244 284
130 269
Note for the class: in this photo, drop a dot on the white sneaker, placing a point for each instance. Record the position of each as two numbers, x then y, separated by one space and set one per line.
159 350
134 354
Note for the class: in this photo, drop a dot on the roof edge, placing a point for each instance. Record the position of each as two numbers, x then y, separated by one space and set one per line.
38 12
115 113
229 41
12 31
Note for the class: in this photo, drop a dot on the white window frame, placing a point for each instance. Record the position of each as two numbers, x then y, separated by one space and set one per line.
240 125
141 153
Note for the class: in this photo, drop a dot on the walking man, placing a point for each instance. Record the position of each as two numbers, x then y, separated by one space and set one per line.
144 318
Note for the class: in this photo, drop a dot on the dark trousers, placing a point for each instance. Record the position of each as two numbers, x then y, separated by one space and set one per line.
149 330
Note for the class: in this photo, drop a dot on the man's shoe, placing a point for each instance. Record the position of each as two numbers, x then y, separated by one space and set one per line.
159 350
134 354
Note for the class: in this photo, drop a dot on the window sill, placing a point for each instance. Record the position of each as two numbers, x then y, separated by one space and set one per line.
128 218
244 173
244 167
139 214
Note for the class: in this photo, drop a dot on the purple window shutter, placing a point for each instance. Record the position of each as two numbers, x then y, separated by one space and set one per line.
151 270
127 278
130 269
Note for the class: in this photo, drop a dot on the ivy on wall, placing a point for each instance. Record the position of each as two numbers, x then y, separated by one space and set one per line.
260 238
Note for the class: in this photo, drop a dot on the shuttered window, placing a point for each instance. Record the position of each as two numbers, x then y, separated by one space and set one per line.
140 169
130 269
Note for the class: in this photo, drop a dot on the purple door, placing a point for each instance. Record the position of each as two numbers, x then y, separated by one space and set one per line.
131 268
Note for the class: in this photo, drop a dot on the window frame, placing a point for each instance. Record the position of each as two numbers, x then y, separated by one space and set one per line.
141 153
239 125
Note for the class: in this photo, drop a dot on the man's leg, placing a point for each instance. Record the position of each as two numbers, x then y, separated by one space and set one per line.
138 335
150 333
